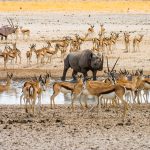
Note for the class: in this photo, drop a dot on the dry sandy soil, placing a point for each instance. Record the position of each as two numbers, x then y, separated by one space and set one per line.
63 129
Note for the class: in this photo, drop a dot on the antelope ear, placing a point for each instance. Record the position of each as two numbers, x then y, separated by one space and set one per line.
40 77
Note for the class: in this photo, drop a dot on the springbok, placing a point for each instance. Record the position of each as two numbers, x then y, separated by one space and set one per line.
67 87
62 46
31 91
6 87
29 53
103 89
15 52
127 41
40 55
102 30
25 32
136 43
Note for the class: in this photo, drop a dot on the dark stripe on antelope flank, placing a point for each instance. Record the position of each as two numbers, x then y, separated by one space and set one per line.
109 91
26 31
147 82
138 40
11 56
66 87
49 52
128 89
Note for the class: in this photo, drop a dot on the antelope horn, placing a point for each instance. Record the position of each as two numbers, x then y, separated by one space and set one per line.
9 22
115 64
12 23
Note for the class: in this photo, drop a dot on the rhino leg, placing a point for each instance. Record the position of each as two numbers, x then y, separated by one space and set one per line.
74 73
84 71
94 74
63 78
66 67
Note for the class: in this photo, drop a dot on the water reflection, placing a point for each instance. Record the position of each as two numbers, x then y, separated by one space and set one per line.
13 96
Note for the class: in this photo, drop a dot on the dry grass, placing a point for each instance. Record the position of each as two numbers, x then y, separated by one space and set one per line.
79 5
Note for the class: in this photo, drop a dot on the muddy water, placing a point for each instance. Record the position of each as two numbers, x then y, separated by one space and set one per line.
13 96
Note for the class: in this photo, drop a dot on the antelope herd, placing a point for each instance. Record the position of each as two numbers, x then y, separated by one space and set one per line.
104 42
115 89
120 88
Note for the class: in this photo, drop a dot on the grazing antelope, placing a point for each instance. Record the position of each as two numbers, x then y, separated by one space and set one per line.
136 43
6 86
25 32
31 91
127 41
29 53
67 87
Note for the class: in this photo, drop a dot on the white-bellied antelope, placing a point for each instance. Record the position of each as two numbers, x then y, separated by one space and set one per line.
102 89
32 90
66 87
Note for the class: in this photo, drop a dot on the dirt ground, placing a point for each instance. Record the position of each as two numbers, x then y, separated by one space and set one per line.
62 129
